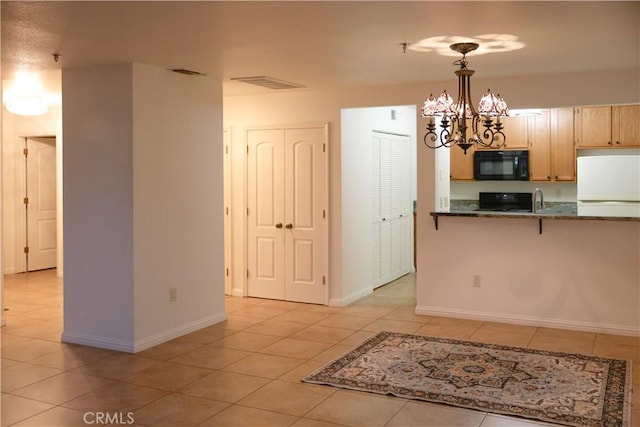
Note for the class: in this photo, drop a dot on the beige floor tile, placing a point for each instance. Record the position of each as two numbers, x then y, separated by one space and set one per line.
236 322
204 336
261 311
545 342
565 334
408 314
71 356
211 357
367 311
323 334
357 338
286 398
355 409
25 351
415 414
616 351
117 366
508 327
5 363
57 417
344 321
168 376
7 339
301 371
169 350
617 340
300 349
240 416
502 421
264 365
15 408
302 316
61 388
501 337
333 353
392 325
225 386
277 328
115 397
306 422
246 341
443 331
178 410
23 374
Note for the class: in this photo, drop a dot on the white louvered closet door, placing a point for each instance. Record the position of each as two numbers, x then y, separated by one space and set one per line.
391 206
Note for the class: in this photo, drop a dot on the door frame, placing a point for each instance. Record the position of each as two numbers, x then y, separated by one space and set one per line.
245 201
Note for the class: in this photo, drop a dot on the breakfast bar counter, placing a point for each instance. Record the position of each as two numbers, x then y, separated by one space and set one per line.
554 210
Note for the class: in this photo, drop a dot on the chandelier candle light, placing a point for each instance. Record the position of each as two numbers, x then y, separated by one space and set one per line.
460 120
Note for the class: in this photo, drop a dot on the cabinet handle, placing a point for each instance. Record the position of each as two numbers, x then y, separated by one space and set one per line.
556 176
617 142
548 177
279 225
609 143
288 226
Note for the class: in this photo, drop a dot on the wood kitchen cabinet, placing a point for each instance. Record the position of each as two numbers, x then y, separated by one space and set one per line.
515 129
461 165
552 155
607 126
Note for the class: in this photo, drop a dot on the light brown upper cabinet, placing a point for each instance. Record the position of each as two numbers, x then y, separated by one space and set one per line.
461 165
515 129
552 155
608 126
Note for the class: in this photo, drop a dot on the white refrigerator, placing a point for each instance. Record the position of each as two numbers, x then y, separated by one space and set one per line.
609 185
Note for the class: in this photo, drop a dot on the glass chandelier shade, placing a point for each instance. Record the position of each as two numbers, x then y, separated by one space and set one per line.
461 124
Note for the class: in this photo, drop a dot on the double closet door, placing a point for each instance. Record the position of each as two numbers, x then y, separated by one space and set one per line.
391 208
286 215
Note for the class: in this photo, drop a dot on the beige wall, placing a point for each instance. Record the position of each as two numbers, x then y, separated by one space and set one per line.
300 107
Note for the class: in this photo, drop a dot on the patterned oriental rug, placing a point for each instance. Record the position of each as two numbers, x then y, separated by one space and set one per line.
562 388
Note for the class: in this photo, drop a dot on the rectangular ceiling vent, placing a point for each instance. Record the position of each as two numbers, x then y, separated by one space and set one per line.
268 82
187 72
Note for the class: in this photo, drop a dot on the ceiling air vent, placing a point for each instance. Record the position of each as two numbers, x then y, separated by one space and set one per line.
268 82
187 72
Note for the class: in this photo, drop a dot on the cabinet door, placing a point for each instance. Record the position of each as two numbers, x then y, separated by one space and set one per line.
515 128
593 126
563 155
540 147
461 165
626 125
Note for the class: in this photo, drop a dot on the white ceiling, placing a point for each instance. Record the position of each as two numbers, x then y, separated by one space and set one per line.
322 44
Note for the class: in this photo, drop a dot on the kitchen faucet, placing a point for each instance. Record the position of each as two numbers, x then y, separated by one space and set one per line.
534 200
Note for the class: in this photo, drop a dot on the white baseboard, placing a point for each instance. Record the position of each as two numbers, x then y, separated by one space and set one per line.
343 302
143 344
235 292
530 321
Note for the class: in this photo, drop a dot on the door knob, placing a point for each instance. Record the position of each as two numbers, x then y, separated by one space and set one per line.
289 226
279 225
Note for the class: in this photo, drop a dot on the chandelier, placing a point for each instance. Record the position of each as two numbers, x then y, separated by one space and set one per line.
460 122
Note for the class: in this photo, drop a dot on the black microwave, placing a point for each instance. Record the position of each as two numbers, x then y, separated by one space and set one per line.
512 165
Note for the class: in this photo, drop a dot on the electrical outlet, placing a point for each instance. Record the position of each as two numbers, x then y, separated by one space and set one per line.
173 295
476 280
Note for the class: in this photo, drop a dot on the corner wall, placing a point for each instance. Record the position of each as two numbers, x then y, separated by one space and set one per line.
143 205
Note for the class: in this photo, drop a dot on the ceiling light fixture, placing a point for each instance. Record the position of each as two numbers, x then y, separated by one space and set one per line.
460 121
26 97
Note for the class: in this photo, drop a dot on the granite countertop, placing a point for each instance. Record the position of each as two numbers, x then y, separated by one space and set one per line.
552 210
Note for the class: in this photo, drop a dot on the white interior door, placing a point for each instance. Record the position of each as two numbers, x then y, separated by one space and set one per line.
265 213
391 208
286 215
41 203
305 215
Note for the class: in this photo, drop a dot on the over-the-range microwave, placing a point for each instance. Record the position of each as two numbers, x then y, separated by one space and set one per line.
508 165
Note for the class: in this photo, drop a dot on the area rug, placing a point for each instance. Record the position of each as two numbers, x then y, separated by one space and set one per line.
561 388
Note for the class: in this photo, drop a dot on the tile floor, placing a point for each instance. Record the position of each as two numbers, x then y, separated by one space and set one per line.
245 371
